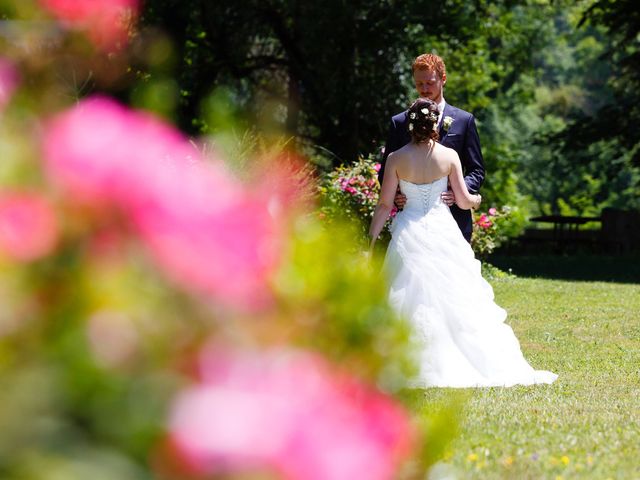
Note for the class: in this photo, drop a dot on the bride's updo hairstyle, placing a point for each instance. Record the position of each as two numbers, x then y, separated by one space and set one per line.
423 120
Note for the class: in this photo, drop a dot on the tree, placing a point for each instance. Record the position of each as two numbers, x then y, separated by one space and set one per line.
336 71
596 155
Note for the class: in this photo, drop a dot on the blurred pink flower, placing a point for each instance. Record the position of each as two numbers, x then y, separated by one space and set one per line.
221 247
492 211
9 80
105 21
28 227
102 152
205 230
290 413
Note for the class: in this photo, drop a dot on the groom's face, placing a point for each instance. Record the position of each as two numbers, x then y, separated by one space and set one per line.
429 84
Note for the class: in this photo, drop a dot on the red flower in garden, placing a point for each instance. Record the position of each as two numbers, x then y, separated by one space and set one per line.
205 230
483 221
28 227
105 21
287 412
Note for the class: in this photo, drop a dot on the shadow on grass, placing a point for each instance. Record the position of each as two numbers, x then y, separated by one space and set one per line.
581 267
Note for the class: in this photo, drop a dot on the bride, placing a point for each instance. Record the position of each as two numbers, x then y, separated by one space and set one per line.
435 281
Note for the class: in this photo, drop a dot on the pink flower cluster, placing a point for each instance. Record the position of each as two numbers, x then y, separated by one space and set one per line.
286 412
28 227
484 221
105 21
208 232
353 190
359 187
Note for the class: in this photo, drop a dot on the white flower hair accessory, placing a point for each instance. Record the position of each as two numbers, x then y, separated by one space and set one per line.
422 115
431 116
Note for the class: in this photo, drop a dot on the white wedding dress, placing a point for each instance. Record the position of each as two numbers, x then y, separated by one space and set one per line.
436 284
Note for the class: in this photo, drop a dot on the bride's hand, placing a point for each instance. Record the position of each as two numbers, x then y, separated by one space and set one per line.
478 201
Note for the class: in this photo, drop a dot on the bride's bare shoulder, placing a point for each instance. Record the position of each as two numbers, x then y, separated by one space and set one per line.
442 148
400 155
445 152
404 151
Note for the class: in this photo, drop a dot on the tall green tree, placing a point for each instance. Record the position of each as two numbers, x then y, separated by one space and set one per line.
333 72
618 119
590 144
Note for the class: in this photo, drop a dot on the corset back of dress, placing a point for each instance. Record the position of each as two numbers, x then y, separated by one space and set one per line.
421 198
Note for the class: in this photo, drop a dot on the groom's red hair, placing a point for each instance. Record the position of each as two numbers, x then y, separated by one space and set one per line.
431 63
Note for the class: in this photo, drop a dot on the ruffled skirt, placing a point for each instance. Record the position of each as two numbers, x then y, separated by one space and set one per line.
436 284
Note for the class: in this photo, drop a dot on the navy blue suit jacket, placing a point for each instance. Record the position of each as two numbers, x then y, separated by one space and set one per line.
463 137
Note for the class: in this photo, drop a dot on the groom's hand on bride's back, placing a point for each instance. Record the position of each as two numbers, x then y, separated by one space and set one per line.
448 197
400 200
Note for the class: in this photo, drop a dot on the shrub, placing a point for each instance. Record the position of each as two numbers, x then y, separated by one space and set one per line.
490 230
351 192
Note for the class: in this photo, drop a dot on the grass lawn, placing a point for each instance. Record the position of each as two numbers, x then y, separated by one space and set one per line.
587 424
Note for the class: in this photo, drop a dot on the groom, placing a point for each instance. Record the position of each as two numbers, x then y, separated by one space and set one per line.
457 130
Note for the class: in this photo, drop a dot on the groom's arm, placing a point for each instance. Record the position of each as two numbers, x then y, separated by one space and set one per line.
471 158
390 146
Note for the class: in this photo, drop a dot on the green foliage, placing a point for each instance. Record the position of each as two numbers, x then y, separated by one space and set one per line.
584 154
319 286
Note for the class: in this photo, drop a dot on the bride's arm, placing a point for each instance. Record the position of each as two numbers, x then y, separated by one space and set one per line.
464 199
385 202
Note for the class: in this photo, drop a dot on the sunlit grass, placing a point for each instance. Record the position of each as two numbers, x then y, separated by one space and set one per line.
587 424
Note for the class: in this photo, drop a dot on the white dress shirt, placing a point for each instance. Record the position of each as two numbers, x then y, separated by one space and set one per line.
441 111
